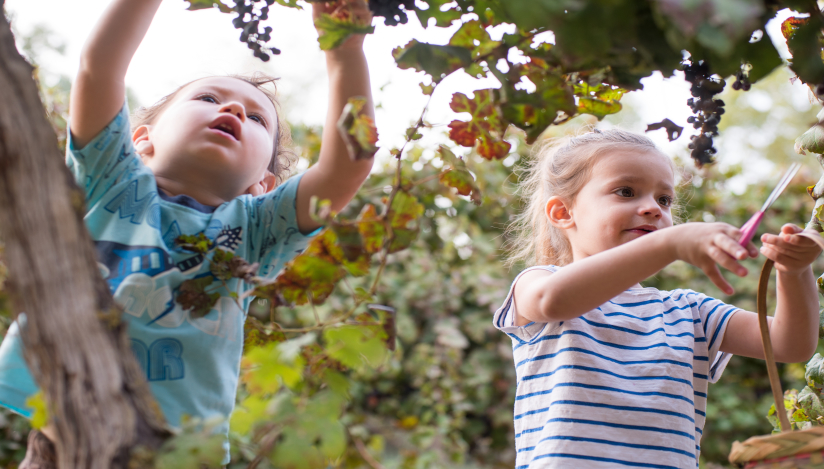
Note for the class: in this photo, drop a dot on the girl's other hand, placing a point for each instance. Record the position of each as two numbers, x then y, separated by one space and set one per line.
706 245
355 10
792 254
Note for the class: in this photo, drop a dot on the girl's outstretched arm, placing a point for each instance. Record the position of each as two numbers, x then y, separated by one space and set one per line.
99 89
336 177
585 284
794 328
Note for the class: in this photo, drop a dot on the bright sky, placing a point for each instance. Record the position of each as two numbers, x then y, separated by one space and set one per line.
183 45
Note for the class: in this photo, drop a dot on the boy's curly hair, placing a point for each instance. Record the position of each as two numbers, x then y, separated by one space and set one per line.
282 156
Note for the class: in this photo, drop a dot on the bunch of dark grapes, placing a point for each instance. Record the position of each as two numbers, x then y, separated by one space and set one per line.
391 10
742 82
248 21
707 110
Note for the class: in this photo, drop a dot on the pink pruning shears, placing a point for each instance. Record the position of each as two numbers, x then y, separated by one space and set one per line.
748 230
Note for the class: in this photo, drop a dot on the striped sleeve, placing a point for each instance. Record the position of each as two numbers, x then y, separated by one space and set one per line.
504 318
714 316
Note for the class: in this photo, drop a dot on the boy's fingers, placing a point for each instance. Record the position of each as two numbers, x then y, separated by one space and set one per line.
777 256
790 228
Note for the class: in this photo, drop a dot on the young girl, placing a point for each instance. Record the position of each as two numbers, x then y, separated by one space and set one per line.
611 373
208 158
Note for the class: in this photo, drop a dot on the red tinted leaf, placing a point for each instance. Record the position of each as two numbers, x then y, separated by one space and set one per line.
371 229
358 129
486 125
192 296
791 25
403 217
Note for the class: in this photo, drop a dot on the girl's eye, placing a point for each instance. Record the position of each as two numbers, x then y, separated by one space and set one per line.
206 96
665 200
624 192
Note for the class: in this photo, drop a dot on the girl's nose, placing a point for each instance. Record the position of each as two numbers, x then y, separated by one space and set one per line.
651 207
236 109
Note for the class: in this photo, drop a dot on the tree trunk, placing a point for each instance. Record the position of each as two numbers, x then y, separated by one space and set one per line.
75 344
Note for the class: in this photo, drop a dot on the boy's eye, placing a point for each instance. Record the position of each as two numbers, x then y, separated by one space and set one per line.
624 192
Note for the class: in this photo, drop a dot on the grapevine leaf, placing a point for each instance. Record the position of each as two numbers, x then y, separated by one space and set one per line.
198 243
534 112
599 100
357 129
810 401
390 330
266 369
673 131
437 61
806 50
458 176
791 25
334 31
371 229
814 373
40 414
192 296
248 413
812 140
203 4
532 14
356 346
403 216
191 451
226 265
443 18
485 125
312 273
472 35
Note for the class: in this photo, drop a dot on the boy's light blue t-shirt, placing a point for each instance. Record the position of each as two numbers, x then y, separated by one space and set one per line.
192 363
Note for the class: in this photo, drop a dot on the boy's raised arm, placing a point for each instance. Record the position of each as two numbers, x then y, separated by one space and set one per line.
336 177
99 89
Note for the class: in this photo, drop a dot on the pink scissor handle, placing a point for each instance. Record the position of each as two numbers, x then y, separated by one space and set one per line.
748 230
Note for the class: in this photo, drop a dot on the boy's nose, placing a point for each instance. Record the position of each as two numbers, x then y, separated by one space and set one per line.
236 109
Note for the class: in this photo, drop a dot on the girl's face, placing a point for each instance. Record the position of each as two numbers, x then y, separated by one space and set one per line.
216 135
629 194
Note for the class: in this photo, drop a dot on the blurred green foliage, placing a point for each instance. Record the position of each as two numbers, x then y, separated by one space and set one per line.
444 396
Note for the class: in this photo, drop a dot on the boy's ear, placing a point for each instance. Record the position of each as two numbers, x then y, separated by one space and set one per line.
142 142
266 184
558 213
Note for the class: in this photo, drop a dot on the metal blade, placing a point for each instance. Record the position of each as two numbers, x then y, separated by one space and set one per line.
782 184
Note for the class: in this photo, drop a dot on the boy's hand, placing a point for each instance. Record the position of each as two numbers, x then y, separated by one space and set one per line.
354 10
791 254
705 245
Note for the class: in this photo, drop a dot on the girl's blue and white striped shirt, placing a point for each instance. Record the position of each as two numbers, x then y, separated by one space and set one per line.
624 385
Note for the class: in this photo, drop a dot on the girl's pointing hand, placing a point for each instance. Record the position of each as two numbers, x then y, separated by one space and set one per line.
791 253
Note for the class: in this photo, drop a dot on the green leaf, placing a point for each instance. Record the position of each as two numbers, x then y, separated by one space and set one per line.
437 61
534 112
192 295
403 216
267 370
191 451
810 401
195 243
812 140
248 413
335 31
473 36
40 414
814 373
203 4
357 129
805 46
443 18
458 176
356 346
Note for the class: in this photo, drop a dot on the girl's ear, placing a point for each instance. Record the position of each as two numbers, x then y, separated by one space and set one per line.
143 143
558 213
263 186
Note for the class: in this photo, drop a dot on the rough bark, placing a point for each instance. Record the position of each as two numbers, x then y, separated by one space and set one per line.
75 344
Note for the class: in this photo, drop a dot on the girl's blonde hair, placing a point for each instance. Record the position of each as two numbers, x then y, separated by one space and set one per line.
561 167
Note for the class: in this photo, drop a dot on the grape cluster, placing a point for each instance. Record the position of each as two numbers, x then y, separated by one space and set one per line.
391 10
742 82
707 110
248 21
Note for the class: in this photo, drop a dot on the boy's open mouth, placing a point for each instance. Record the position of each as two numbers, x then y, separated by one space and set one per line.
227 124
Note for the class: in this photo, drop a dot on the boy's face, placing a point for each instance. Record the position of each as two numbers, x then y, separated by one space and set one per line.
628 195
217 135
